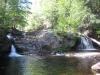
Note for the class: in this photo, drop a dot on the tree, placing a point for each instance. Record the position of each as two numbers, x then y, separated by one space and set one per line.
14 13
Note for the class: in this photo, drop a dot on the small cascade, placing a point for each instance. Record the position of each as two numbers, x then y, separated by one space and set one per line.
86 44
13 52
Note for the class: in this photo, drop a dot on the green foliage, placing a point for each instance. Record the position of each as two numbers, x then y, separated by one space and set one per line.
13 13
71 13
94 5
64 15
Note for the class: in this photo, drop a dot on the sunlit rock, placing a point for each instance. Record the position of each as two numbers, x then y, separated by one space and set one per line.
96 68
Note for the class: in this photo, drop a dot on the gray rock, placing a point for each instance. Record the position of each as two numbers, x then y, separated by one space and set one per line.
48 38
96 68
44 41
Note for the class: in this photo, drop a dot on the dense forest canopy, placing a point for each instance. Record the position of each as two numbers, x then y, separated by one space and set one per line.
59 15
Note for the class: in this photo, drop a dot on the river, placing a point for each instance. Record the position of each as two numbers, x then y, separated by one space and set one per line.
52 65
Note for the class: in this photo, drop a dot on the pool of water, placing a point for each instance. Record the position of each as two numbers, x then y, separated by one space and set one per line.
53 65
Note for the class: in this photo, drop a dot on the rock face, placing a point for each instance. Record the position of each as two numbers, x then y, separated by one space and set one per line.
45 41
48 38
48 41
96 68
70 40
42 42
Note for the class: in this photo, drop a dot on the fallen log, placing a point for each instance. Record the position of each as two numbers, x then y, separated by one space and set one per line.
95 41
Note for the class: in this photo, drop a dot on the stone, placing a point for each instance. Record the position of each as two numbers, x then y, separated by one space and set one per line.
43 41
96 68
48 38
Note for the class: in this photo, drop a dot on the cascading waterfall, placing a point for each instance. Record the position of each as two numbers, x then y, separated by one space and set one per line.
86 44
13 52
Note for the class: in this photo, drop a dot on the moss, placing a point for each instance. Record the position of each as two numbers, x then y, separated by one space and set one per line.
66 39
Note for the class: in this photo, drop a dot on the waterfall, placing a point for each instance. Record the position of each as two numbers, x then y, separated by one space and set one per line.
86 44
13 52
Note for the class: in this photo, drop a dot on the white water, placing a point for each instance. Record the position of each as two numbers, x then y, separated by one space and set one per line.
9 36
82 54
13 52
86 44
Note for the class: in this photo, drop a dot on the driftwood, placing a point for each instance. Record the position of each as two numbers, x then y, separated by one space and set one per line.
95 41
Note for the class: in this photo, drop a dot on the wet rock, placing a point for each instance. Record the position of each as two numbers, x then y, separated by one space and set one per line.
96 68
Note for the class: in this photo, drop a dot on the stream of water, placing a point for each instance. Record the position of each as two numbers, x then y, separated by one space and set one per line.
86 44
66 64
13 52
53 65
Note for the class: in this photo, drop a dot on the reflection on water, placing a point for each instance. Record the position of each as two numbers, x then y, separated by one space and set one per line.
48 66
3 65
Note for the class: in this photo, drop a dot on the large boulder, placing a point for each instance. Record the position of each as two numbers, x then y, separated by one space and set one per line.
96 68
48 38
70 39
47 41
43 42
